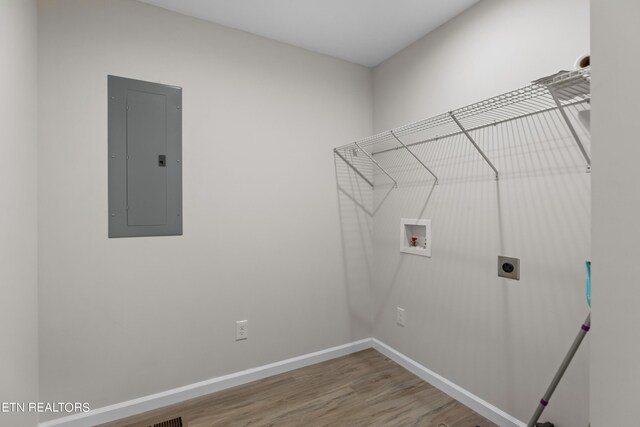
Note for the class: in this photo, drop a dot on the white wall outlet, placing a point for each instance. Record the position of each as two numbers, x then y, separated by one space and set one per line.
400 316
242 330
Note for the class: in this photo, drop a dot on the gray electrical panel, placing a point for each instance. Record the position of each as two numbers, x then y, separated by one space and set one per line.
145 158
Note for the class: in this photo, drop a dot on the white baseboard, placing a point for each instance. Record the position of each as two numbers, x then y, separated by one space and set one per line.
463 396
177 395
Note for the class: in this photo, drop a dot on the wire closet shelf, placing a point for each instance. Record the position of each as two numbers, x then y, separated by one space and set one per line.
565 93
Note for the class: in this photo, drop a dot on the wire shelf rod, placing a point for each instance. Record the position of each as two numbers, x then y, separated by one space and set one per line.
464 131
571 128
353 167
416 157
395 183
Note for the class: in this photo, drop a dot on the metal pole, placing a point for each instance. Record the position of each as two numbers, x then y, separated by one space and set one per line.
571 128
395 183
563 367
353 167
474 143
416 157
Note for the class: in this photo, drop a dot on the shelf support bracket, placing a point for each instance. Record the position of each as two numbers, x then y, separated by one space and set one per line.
353 167
572 129
414 156
464 131
395 183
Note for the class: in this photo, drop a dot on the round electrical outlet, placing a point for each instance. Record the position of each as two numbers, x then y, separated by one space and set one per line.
507 267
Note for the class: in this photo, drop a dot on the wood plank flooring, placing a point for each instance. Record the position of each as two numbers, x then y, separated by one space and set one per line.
361 389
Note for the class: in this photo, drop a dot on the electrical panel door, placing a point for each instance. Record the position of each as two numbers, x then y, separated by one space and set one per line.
145 158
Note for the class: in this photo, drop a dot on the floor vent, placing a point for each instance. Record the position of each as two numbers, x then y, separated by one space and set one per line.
176 422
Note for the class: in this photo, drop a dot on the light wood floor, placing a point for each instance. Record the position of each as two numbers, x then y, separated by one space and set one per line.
361 389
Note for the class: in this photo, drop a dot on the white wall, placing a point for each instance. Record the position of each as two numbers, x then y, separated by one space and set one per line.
355 204
18 238
499 339
615 349
122 318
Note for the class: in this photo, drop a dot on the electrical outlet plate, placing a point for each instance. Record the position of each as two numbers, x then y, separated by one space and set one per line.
400 319
509 267
242 330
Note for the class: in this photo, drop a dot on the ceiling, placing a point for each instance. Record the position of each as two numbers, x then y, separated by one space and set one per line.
362 31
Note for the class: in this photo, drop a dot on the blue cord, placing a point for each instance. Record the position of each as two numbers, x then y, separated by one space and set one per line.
587 264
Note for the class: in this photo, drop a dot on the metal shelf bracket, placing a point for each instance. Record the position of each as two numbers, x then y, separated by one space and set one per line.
395 183
414 155
464 131
353 167
571 128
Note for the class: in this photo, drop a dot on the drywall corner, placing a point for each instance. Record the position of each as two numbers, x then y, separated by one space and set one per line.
18 215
